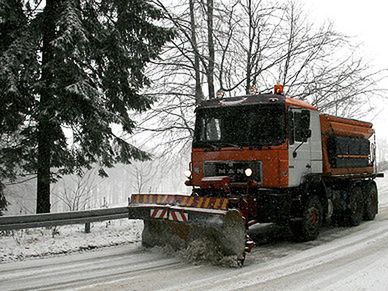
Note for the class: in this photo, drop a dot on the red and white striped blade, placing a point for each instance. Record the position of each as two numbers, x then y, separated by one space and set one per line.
159 213
179 216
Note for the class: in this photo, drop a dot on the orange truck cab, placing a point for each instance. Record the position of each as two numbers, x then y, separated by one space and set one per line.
278 159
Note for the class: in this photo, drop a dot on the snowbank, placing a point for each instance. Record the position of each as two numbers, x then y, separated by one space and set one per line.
21 244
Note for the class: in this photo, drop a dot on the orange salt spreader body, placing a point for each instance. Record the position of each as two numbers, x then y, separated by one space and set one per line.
265 158
333 126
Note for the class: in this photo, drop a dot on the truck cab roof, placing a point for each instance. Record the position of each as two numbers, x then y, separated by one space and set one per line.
267 98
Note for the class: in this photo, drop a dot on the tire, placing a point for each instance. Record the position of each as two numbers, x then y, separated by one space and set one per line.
355 210
308 227
371 201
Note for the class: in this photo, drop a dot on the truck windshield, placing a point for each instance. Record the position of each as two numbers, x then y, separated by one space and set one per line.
240 126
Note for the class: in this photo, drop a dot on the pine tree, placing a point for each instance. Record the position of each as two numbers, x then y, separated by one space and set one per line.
68 72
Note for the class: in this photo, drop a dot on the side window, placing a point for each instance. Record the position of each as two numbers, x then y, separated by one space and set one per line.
298 124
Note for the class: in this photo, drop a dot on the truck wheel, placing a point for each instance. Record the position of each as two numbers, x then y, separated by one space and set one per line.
356 206
307 228
371 201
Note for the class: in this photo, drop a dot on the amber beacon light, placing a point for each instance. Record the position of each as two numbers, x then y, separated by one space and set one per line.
278 89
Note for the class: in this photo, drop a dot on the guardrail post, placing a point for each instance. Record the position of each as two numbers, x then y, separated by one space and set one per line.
87 227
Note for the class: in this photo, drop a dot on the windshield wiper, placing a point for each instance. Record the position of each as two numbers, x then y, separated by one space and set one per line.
230 144
212 146
219 145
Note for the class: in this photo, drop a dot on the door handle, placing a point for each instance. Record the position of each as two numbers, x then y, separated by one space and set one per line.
308 166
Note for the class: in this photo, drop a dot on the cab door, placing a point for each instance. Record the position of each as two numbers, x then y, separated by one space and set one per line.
299 145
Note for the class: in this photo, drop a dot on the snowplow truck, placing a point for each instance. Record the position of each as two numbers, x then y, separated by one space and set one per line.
265 158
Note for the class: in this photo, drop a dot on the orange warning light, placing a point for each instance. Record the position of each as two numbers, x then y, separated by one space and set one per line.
278 89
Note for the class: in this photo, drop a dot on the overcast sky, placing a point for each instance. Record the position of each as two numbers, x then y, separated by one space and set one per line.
367 23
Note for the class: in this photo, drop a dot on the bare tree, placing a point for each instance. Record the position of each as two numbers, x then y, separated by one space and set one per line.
254 43
210 44
197 69
76 192
142 175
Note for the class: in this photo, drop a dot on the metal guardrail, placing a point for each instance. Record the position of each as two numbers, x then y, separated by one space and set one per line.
62 218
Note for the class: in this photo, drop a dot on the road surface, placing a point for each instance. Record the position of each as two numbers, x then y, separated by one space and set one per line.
341 259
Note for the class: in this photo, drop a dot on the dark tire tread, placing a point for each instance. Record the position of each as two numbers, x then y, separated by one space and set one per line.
371 201
355 211
307 228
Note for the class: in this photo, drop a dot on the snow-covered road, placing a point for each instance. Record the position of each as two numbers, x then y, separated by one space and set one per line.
341 259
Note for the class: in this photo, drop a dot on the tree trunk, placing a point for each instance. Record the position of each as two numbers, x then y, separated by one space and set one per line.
249 52
45 113
198 88
210 71
290 45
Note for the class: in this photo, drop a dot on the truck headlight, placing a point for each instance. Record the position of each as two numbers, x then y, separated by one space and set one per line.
187 173
248 172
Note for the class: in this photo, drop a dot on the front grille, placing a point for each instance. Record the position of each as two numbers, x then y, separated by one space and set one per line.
233 169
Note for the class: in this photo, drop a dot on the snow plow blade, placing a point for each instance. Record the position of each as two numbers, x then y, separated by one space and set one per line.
178 220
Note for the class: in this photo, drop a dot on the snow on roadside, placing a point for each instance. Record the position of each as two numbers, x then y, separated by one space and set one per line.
21 244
